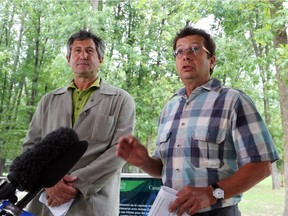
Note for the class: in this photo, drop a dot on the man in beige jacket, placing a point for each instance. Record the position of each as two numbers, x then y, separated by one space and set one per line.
100 114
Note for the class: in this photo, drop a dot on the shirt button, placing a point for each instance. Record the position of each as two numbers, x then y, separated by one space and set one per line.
183 124
177 170
178 146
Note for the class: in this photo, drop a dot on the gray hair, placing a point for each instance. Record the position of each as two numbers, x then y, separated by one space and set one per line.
83 35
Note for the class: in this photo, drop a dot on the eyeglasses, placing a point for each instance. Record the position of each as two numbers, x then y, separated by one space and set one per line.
191 50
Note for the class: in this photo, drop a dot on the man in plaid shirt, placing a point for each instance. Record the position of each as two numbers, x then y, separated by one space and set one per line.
212 144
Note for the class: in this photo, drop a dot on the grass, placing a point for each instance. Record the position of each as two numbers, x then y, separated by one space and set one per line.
261 200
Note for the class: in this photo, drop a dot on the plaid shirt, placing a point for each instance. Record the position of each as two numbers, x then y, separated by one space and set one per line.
205 137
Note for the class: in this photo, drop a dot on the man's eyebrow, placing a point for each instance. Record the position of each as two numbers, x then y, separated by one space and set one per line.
77 47
192 43
88 47
195 43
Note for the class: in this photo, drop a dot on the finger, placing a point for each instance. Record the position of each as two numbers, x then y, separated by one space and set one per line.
193 210
131 140
186 207
54 203
175 205
62 200
58 201
49 201
61 192
66 192
121 139
124 139
123 149
183 203
189 203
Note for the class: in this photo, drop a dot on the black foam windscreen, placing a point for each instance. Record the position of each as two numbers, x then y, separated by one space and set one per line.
48 161
63 164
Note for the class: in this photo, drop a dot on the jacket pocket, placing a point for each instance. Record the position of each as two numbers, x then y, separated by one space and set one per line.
103 128
207 148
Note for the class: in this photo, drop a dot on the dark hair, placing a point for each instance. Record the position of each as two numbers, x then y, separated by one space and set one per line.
83 35
188 30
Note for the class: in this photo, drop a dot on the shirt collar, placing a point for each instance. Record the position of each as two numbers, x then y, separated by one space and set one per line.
96 84
209 85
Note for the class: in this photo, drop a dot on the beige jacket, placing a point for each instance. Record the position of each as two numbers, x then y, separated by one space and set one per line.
108 114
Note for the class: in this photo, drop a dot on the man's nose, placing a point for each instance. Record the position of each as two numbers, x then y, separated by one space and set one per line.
83 54
187 55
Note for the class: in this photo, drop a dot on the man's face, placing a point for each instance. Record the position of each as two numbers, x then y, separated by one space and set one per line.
192 62
84 60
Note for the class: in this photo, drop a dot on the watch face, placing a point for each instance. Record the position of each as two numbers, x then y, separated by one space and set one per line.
218 193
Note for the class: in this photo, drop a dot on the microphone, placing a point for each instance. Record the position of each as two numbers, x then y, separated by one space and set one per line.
42 165
45 163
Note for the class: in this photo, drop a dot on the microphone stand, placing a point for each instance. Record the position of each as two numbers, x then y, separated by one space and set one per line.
9 208
27 198
7 191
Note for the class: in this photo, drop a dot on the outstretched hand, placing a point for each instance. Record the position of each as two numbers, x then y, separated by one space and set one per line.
131 150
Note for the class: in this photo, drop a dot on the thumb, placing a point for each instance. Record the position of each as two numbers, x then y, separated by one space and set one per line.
69 178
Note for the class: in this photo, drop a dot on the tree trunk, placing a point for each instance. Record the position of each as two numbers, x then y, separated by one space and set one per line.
2 166
275 177
95 5
283 89
281 39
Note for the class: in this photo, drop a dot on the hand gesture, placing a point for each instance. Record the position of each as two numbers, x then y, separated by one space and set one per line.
131 150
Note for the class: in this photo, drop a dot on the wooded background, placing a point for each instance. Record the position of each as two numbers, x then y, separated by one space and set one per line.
252 55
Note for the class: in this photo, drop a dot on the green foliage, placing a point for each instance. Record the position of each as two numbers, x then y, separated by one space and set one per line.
10 147
138 36
246 55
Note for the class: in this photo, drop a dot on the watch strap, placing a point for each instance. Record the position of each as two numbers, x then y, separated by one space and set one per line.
215 185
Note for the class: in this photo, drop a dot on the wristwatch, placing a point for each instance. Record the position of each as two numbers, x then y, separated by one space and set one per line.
218 192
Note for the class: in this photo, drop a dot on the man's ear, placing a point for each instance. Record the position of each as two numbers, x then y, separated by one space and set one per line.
101 60
68 59
213 61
